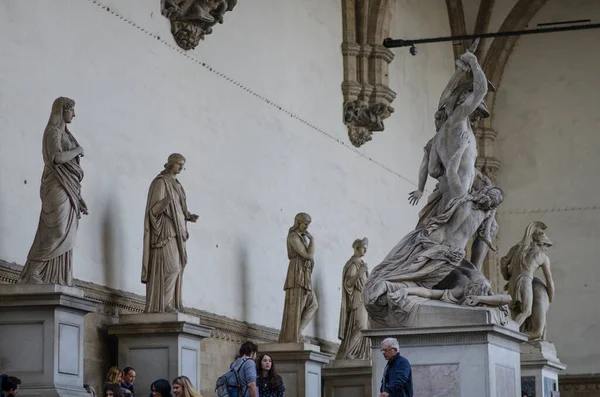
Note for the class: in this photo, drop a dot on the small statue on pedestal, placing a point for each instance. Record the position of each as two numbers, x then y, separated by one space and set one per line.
531 298
50 259
300 299
353 315
165 234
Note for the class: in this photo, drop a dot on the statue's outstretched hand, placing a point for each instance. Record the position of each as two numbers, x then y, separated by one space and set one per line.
414 197
193 218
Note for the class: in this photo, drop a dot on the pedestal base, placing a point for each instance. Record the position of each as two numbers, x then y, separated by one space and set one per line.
41 338
160 345
347 378
455 361
539 368
299 365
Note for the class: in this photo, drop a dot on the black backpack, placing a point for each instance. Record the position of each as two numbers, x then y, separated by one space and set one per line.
228 385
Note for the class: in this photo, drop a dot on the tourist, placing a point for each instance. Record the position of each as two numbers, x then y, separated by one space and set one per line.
182 387
246 370
161 388
270 383
397 375
9 386
90 389
113 390
128 379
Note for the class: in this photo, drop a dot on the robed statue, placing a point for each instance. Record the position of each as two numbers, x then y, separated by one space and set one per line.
300 299
50 259
353 315
165 235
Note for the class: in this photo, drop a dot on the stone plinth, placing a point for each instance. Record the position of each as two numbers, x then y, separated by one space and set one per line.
347 378
41 338
462 361
160 345
299 364
539 368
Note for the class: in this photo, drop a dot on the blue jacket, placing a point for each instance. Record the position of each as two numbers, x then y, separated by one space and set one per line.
397 377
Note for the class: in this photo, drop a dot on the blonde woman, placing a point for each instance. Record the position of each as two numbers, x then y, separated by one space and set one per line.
115 375
182 387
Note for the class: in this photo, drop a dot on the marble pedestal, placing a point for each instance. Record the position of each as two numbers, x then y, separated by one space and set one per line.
347 378
41 338
456 361
299 364
539 368
160 345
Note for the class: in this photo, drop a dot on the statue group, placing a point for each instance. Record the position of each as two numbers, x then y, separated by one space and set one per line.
428 263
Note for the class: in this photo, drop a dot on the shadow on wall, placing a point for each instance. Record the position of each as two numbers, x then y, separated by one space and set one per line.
243 277
112 243
320 314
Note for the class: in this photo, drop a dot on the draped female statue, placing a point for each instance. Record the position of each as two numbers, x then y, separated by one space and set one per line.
300 299
165 234
50 259
353 315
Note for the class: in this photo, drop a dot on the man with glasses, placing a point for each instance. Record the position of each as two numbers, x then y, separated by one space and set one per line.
397 375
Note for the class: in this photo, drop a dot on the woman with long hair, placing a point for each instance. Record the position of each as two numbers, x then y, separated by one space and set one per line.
270 383
160 388
182 387
114 375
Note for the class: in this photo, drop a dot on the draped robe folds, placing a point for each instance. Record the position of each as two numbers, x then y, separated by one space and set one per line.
164 257
416 261
50 258
353 315
300 300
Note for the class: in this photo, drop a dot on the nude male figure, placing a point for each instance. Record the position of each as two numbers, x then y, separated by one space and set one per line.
454 146
518 267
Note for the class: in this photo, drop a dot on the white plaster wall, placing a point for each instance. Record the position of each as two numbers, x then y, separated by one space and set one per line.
251 167
548 122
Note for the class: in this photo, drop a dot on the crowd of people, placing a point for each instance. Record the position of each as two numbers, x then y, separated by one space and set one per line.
257 376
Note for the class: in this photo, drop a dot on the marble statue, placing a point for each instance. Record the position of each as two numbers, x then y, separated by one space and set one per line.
530 296
461 106
165 234
429 257
50 259
353 315
300 299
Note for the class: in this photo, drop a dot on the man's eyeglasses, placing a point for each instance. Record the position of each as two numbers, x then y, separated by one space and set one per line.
387 349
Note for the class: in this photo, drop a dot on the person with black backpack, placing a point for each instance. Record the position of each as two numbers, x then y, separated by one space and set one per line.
240 380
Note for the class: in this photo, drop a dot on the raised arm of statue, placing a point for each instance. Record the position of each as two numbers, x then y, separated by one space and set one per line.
298 246
548 276
480 89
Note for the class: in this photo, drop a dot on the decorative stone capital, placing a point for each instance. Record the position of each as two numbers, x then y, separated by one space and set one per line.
192 20
363 119
383 94
382 52
350 49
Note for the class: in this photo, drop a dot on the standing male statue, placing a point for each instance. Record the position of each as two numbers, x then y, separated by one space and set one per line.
300 299
353 315
530 296
165 234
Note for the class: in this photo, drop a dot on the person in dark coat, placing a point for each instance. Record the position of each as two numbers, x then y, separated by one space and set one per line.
397 375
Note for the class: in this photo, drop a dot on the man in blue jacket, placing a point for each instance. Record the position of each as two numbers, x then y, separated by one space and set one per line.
397 375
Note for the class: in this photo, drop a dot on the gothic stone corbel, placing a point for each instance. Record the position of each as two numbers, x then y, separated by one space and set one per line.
191 20
367 95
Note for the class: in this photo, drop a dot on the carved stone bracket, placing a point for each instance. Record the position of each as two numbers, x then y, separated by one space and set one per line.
363 119
191 20
367 95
